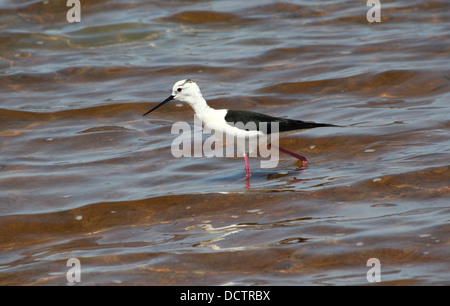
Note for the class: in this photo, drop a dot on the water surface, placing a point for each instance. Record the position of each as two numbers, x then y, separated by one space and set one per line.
84 175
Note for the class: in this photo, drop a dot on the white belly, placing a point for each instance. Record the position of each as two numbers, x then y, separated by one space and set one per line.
245 141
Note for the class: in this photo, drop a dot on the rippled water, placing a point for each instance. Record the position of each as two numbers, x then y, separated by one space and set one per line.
84 175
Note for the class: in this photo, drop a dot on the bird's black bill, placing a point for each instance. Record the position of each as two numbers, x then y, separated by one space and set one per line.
159 105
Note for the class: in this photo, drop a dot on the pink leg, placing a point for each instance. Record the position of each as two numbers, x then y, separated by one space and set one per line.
247 167
302 158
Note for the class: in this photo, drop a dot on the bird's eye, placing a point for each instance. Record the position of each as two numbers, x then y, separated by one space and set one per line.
179 89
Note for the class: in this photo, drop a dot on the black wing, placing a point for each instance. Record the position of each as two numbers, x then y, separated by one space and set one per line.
252 120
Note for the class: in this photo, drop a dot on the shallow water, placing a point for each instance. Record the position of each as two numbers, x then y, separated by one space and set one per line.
84 175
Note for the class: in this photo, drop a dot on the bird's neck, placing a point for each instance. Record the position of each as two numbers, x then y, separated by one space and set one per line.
200 106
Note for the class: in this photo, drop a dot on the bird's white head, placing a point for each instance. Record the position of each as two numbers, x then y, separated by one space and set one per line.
185 91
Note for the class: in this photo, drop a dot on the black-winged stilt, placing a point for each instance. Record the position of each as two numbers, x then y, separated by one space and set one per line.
222 120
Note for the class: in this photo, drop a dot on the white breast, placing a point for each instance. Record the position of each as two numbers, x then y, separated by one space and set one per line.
215 120
244 141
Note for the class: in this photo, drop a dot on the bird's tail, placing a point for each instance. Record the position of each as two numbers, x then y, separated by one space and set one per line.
324 125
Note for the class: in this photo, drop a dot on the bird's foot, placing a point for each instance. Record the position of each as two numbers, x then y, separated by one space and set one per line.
299 157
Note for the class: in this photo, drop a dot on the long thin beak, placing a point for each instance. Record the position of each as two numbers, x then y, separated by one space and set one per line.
160 104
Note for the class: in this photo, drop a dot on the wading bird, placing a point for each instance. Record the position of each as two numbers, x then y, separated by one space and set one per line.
223 120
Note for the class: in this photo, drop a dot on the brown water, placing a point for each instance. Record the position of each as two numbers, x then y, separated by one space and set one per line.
84 175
